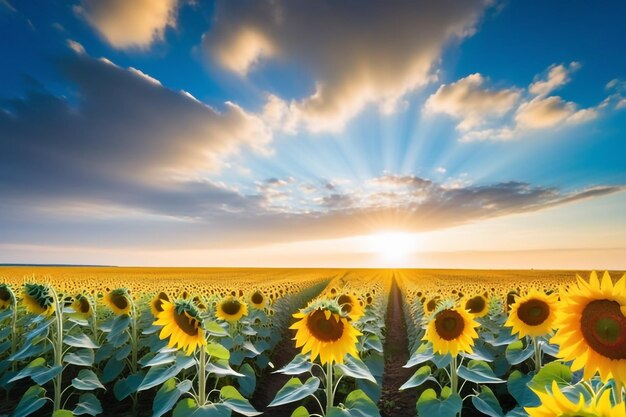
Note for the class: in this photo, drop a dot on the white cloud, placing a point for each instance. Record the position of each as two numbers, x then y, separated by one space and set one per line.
542 113
557 76
470 101
128 24
356 53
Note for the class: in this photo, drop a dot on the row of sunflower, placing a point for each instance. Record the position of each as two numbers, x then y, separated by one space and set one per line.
340 334
533 351
190 353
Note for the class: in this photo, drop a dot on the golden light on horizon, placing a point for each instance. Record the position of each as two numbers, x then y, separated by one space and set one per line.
393 248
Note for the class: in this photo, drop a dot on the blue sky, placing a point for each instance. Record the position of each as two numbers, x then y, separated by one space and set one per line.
223 131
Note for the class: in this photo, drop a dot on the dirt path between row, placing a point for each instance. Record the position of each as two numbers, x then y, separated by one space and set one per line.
395 403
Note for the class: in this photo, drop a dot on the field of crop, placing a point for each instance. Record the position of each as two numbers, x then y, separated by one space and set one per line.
311 342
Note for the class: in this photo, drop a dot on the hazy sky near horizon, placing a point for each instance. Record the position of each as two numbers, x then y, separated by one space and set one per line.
313 133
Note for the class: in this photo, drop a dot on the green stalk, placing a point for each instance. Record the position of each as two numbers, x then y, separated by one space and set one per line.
537 354
58 351
202 400
619 397
14 330
134 344
454 378
329 386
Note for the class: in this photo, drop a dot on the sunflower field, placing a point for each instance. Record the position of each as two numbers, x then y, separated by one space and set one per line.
308 342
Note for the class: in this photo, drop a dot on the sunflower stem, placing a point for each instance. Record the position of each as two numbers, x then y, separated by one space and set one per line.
537 347
454 378
58 350
134 346
329 386
13 330
202 400
619 397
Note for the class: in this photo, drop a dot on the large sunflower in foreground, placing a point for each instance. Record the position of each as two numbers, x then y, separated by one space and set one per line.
118 301
477 305
556 404
324 330
533 314
591 322
82 306
351 306
231 309
38 299
452 330
182 325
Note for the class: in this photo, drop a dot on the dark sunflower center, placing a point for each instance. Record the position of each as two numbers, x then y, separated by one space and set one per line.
533 312
231 307
346 303
476 305
431 305
449 324
4 294
257 298
186 323
158 304
326 330
119 301
83 305
604 328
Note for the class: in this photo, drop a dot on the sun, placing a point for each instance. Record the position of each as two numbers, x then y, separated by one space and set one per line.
393 247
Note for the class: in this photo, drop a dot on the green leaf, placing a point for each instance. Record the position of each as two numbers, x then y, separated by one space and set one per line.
86 380
419 377
168 395
88 404
214 329
518 388
357 404
298 365
189 408
355 368
158 375
82 357
429 405
516 352
424 353
374 343
553 371
112 370
32 400
215 350
236 402
247 383
127 386
222 368
479 372
300 412
120 324
294 390
487 403
81 341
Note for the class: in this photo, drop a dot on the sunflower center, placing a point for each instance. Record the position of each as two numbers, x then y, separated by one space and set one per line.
346 303
604 328
231 307
449 324
119 301
431 305
475 304
186 323
324 329
4 295
158 304
533 312
83 305
257 298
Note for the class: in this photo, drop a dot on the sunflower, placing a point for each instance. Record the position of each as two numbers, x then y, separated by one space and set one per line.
231 309
533 314
7 298
431 305
591 324
324 330
118 301
258 299
38 299
451 330
478 305
82 306
351 306
556 404
156 305
182 324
